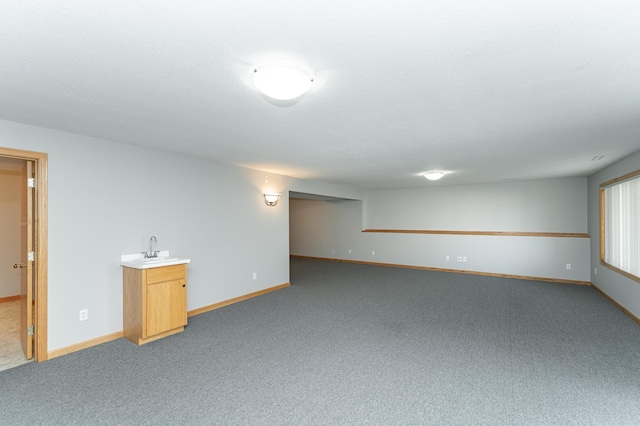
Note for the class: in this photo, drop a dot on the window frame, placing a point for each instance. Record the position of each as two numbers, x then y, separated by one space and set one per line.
628 176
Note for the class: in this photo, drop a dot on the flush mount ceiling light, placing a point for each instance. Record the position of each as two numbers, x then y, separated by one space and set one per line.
271 199
282 81
434 175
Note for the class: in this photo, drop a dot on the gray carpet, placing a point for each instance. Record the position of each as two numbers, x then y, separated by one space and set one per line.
354 344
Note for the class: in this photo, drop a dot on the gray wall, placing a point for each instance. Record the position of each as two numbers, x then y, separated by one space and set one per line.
324 188
549 205
624 290
330 228
107 199
9 233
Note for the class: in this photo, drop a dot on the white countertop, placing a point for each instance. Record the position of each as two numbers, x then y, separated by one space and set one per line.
138 261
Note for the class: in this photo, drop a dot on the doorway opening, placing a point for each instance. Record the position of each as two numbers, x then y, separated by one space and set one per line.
32 263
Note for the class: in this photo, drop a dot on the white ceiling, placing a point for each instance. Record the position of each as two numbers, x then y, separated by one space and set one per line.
490 90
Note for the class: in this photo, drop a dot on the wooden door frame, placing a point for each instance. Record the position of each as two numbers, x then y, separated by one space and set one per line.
40 159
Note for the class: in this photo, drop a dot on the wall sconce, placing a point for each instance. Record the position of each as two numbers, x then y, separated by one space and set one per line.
271 199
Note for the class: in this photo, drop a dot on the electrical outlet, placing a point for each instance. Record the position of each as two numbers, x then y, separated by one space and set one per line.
349 251
459 258
464 258
255 275
373 253
446 258
333 251
84 314
568 266
595 271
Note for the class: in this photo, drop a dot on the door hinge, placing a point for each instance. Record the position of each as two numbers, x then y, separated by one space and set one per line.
31 330
31 256
31 182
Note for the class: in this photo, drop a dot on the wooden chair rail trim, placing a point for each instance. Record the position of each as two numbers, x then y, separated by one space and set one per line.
455 271
481 233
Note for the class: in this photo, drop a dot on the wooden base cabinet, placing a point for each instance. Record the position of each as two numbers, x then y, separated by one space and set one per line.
155 302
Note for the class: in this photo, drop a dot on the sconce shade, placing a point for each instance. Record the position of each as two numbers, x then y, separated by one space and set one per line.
271 199
282 81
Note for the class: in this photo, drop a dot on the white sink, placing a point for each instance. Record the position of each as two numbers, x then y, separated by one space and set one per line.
138 261
156 259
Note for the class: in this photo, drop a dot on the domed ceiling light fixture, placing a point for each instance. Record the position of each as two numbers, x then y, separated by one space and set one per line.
282 81
434 175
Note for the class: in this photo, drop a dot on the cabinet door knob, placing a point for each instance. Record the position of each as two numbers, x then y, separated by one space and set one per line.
184 285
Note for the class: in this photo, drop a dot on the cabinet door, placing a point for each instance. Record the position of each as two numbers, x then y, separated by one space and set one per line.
166 306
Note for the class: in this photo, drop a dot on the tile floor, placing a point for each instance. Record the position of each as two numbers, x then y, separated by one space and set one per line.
11 354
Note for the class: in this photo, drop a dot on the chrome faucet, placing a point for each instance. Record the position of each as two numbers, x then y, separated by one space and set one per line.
152 252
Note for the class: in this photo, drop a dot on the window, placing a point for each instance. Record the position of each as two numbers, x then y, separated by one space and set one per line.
620 224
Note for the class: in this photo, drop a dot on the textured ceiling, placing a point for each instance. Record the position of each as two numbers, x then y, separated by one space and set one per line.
490 91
